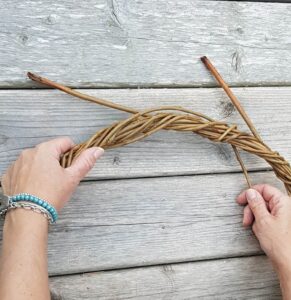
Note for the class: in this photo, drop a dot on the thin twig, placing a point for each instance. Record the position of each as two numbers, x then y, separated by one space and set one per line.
240 109
238 157
77 94
104 102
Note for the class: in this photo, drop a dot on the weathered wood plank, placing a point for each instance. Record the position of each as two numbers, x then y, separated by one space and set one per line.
28 117
136 222
144 43
240 278
272 1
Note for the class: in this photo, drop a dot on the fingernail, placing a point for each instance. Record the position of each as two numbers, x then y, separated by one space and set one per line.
98 152
251 194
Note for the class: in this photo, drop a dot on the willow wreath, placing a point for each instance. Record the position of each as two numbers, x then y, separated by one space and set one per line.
144 123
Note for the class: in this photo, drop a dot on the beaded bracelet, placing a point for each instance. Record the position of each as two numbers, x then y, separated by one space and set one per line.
24 197
33 207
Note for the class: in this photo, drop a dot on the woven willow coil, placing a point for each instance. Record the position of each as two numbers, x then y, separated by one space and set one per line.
142 124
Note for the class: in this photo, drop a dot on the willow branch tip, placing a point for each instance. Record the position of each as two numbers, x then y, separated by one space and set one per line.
231 95
78 94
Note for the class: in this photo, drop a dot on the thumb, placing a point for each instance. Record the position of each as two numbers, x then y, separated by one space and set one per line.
85 162
257 204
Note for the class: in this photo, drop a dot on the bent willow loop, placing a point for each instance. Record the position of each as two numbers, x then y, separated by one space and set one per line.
143 124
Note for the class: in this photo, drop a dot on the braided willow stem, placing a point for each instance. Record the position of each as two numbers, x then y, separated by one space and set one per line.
143 124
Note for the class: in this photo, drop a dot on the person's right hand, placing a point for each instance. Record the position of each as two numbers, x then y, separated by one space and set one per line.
268 210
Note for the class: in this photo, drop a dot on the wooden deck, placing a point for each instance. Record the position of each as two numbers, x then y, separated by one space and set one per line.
156 219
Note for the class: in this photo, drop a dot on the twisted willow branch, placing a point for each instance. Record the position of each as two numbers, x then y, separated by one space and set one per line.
143 124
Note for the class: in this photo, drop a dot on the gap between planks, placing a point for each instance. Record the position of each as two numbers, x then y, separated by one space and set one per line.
220 258
35 86
259 170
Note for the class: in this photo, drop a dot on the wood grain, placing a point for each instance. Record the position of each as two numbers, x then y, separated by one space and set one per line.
28 117
239 278
137 222
120 43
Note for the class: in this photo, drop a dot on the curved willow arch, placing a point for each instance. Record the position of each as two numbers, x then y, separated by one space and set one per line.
143 124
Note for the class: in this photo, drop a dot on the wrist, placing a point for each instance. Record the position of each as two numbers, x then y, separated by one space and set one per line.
18 221
23 263
284 272
282 261
284 275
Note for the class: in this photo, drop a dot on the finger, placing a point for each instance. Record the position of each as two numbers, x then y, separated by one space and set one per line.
84 162
248 217
257 204
241 198
255 229
276 204
266 190
57 146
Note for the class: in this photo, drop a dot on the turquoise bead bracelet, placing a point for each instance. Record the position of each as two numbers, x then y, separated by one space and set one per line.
31 198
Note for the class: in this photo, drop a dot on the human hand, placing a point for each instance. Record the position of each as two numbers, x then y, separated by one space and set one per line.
268 210
37 171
